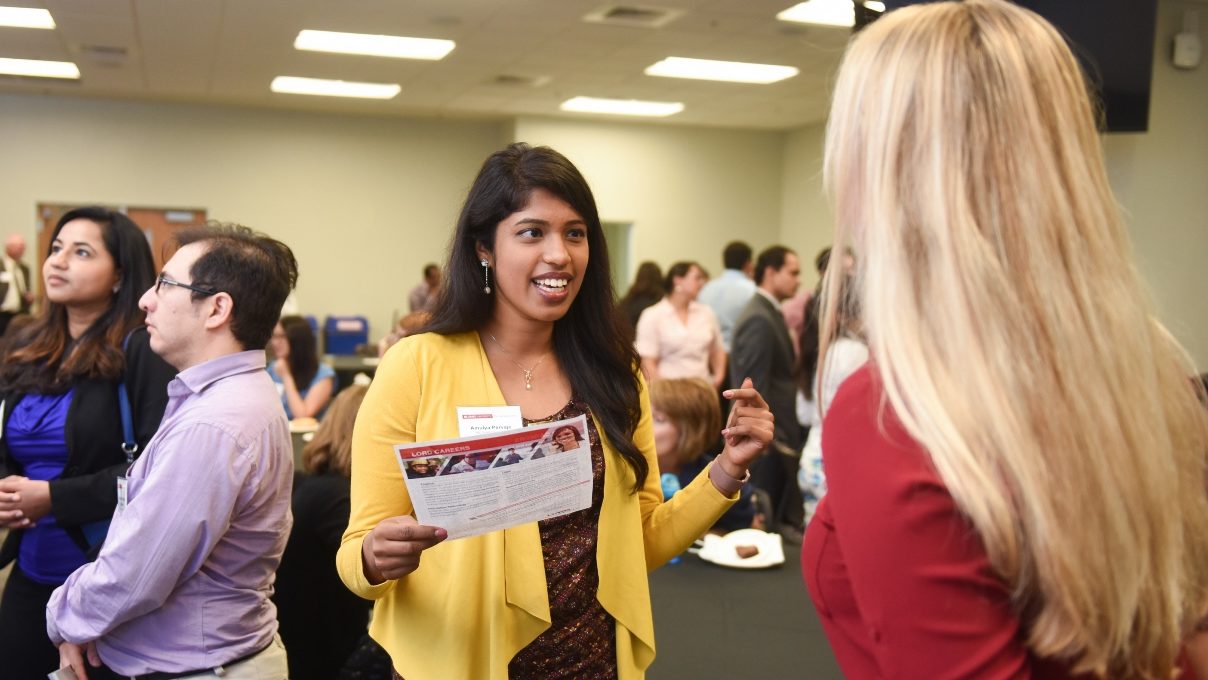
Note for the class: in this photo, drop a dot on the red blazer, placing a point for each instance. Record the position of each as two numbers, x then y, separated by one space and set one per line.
898 576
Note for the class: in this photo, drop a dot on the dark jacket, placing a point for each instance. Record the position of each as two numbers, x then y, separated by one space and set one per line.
87 489
320 619
763 351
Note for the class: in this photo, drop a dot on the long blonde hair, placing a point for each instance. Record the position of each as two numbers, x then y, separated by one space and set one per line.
331 449
1007 324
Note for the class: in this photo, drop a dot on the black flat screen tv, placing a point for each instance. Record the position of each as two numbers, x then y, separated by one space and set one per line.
1114 41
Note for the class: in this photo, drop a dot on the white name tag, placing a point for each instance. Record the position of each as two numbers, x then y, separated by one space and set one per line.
476 420
121 494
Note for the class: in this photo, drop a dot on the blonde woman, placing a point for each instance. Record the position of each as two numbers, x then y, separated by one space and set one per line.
1016 480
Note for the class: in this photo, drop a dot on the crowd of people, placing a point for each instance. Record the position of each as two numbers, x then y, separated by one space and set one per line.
992 454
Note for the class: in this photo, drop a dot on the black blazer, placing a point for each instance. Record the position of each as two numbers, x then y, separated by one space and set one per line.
87 489
763 350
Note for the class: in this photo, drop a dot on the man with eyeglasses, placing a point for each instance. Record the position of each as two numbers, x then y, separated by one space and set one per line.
181 586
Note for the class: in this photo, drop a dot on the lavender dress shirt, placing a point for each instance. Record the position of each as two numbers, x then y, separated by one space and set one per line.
183 580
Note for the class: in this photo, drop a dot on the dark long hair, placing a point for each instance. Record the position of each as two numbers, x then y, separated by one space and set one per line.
589 340
303 357
648 283
678 270
43 358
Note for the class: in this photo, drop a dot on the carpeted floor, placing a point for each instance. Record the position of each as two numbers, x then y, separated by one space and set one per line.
714 622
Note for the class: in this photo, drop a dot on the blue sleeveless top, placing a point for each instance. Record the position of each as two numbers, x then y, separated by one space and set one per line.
37 440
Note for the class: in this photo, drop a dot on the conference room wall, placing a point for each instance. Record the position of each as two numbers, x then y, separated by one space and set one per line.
687 191
806 220
363 201
1160 178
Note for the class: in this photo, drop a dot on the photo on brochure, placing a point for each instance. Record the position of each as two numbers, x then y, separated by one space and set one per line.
519 476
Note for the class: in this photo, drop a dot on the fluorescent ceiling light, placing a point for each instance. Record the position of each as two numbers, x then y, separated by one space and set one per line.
727 71
334 88
39 69
25 17
621 107
394 46
824 12
874 5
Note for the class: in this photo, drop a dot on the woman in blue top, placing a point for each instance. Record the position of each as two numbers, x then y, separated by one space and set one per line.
306 385
61 444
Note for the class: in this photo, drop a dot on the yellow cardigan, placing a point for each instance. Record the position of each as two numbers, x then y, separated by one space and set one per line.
475 602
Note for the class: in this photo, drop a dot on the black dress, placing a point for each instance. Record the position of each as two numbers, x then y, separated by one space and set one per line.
321 620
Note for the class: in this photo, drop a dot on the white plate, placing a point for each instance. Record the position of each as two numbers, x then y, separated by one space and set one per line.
720 550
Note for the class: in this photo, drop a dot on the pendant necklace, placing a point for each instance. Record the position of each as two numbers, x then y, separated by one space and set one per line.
528 372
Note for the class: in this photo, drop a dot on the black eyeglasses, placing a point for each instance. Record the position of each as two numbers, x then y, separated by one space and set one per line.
163 280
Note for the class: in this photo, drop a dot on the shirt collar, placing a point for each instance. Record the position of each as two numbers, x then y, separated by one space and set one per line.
196 378
768 296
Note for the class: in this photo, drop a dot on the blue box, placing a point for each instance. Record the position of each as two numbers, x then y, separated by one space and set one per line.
343 334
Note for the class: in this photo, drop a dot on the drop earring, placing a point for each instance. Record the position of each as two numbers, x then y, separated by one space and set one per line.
486 276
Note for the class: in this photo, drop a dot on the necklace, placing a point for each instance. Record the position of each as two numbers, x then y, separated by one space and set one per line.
528 372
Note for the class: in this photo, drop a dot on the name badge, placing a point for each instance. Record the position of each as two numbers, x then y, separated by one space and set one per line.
121 494
476 420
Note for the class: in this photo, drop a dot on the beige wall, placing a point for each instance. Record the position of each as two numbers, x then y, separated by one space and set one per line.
806 222
1160 178
364 202
687 191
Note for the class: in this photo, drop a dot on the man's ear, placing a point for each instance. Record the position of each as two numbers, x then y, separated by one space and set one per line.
222 307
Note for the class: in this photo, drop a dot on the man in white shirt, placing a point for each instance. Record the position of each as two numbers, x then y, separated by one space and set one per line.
729 293
15 297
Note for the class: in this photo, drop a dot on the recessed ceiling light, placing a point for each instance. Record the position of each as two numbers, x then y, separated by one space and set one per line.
37 68
621 107
824 12
394 46
334 88
25 17
727 71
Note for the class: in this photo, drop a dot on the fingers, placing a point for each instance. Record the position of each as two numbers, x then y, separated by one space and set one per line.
93 657
398 543
11 483
746 394
14 519
70 657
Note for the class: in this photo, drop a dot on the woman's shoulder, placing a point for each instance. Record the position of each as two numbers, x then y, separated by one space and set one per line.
435 344
430 351
862 423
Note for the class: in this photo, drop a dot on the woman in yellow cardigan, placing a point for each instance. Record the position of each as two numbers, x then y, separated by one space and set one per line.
527 318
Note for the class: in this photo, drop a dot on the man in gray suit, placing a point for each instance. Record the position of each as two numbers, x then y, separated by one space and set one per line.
762 349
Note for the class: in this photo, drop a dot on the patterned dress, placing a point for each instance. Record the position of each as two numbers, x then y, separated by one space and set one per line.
581 641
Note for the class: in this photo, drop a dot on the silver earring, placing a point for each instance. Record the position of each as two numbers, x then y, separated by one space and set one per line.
116 288
486 276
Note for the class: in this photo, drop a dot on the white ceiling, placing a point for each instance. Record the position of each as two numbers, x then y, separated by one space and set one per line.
228 51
